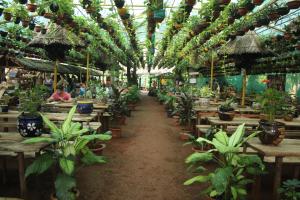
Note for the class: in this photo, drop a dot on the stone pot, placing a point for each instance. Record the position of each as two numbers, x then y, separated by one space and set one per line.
30 125
271 132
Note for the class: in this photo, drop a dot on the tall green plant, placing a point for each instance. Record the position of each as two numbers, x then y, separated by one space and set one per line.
229 180
272 101
68 143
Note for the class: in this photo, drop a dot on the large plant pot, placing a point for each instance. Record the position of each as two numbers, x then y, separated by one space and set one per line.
116 132
30 126
271 132
4 108
204 102
85 107
226 116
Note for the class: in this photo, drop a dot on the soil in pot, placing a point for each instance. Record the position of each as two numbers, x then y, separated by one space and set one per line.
30 125
271 132
25 23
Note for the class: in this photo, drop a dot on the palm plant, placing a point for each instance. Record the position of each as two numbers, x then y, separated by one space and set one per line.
68 142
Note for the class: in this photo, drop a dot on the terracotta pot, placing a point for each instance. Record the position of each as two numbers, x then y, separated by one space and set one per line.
25 23
116 132
31 7
190 2
48 15
98 148
226 116
38 28
242 11
7 16
293 4
271 132
184 136
274 16
257 2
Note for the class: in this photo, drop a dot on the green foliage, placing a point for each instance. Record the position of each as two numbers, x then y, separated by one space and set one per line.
68 142
226 106
32 99
229 180
204 92
133 94
271 102
290 190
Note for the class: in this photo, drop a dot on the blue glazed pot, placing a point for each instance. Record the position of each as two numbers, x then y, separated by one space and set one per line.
30 126
84 107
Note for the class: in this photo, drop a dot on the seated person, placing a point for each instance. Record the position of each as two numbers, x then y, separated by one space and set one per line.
60 95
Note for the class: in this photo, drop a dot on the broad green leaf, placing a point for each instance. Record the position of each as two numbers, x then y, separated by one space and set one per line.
80 132
63 187
221 179
199 157
222 137
39 140
200 139
197 179
53 128
241 191
67 123
67 165
80 144
90 158
69 150
40 164
97 137
237 136
234 192
213 193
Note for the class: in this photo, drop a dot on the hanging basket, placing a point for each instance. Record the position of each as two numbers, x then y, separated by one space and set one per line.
159 15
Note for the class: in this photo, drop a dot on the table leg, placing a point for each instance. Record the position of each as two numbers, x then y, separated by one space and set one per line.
277 178
22 180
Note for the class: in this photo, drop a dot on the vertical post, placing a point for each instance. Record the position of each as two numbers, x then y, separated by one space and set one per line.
87 69
211 71
244 74
55 76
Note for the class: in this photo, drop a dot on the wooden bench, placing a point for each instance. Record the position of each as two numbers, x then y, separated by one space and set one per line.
9 198
95 126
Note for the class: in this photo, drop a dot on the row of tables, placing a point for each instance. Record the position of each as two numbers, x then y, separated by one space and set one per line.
287 149
11 143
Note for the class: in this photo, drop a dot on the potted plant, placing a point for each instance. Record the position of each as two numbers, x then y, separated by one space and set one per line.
30 122
97 146
69 143
204 94
290 190
289 112
7 14
271 101
32 6
293 4
226 111
230 178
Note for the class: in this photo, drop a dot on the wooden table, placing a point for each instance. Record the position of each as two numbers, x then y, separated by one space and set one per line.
287 148
71 104
12 143
248 110
295 123
54 116
235 122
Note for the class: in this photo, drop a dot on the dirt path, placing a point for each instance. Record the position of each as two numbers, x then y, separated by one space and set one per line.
146 164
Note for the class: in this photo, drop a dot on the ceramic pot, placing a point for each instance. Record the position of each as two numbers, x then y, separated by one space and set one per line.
30 126
84 107
226 116
271 132
4 108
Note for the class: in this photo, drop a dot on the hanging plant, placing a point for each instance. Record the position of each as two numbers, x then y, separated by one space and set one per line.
119 3
32 6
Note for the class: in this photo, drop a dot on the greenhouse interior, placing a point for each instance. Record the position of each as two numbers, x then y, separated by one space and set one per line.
150 100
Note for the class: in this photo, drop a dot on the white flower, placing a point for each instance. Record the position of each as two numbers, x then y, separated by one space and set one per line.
31 126
23 132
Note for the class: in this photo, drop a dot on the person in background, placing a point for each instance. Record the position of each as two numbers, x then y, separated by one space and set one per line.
60 95
48 82
82 89
108 87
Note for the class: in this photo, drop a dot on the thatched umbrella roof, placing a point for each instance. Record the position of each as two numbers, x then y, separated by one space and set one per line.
244 45
56 42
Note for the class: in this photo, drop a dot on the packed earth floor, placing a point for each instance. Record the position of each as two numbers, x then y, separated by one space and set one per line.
147 163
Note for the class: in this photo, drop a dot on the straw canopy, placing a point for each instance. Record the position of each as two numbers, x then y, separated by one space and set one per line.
56 42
